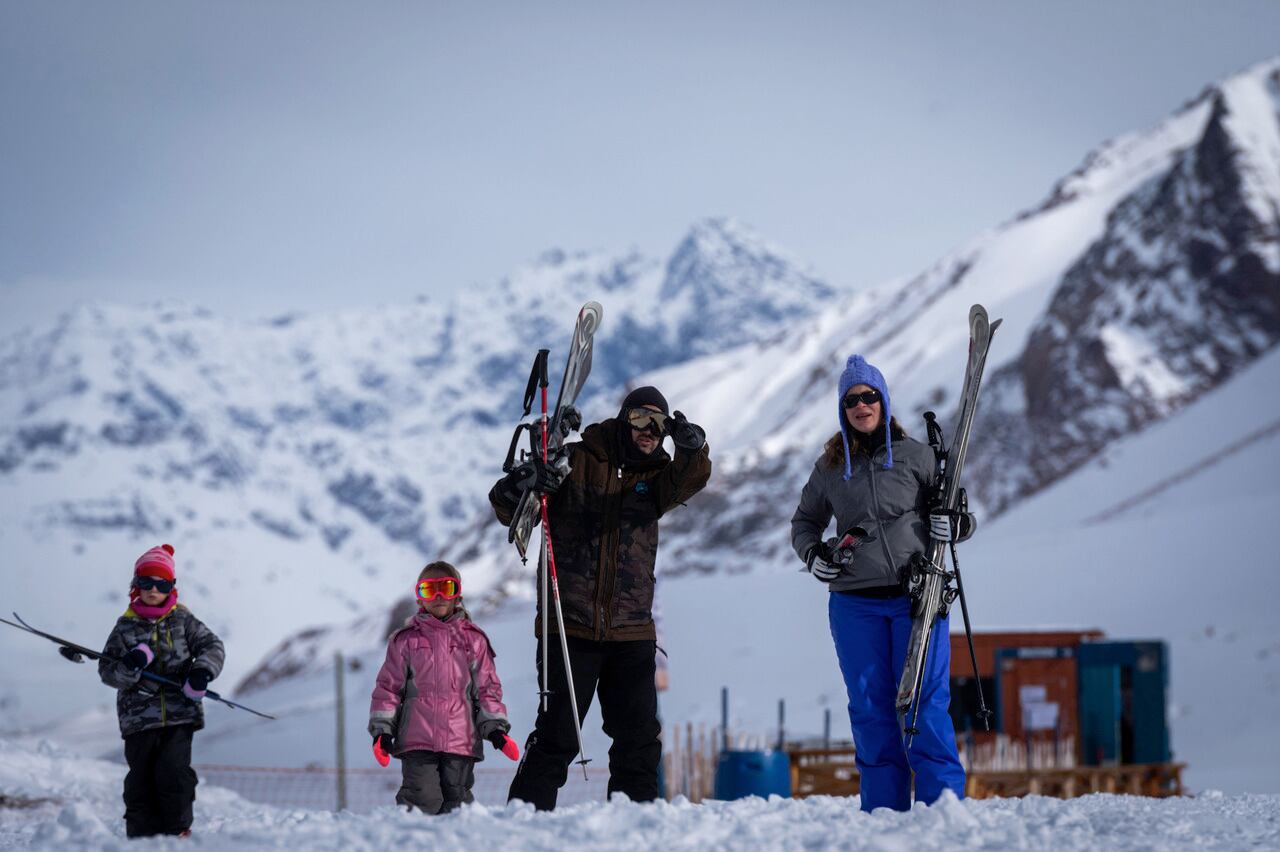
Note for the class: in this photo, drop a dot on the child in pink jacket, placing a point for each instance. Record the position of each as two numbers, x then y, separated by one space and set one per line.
437 697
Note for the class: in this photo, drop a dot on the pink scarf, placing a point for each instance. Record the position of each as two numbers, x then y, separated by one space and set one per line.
154 613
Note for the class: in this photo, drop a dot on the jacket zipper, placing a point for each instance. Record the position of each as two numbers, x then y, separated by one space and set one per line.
607 547
155 639
875 500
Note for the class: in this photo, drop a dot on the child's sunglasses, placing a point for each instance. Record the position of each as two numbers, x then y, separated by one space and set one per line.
647 418
148 583
870 397
439 587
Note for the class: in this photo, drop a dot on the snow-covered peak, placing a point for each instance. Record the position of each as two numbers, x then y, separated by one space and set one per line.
720 257
1117 163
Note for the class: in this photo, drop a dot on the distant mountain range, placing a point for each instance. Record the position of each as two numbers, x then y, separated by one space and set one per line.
311 454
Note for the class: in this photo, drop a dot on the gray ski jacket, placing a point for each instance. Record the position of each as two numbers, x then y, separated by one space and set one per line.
885 509
180 642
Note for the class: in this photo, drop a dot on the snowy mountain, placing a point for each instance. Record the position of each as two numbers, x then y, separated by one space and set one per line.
320 460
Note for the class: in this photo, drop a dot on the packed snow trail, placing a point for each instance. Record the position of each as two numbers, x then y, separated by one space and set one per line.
81 807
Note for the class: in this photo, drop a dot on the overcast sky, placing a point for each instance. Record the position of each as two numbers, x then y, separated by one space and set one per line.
270 156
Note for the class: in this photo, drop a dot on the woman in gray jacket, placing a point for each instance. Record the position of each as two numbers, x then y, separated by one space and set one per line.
876 482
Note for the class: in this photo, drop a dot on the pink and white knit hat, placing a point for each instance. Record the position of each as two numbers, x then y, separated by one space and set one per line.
156 562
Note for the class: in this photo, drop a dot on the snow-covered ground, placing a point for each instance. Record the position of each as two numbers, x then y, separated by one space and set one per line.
74 802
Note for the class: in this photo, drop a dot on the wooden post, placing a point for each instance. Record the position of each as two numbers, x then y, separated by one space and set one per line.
341 715
724 716
826 729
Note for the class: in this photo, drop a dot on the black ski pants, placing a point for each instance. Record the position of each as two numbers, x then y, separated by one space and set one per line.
160 785
622 674
435 782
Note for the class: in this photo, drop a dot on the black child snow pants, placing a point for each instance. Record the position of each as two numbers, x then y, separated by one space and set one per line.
435 782
161 785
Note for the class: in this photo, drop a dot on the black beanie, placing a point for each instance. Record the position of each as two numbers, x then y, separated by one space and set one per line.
647 395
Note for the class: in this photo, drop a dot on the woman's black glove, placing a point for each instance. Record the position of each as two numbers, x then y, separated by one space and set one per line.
820 561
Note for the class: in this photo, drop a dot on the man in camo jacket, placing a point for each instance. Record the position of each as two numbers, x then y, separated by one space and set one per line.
604 529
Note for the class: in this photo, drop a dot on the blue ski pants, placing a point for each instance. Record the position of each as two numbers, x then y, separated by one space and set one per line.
871 638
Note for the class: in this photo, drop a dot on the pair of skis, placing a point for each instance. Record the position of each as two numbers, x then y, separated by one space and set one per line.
545 440
77 654
929 581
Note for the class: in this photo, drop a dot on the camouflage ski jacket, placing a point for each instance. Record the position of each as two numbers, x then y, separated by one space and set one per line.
604 531
180 641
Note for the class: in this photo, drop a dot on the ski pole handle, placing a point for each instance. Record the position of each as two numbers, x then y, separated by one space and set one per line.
537 379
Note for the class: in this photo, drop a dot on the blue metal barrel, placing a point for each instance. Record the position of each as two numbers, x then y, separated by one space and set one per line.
752 773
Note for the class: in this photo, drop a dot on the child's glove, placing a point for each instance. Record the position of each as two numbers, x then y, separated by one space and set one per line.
505 744
197 682
139 658
71 654
383 745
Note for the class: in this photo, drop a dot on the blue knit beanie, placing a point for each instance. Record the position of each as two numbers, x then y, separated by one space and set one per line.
858 372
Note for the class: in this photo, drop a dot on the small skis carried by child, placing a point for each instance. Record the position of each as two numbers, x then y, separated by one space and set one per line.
437 698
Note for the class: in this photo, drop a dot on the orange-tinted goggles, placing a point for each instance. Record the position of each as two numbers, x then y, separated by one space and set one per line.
439 587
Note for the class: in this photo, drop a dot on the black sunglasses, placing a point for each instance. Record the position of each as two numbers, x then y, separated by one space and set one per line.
870 397
147 583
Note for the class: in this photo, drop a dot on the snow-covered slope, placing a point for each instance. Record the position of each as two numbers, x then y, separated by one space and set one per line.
76 803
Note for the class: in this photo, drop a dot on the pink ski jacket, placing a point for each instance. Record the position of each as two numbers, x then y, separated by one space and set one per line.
438 689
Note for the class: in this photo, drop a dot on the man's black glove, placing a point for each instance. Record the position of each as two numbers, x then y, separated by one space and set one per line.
534 475
687 436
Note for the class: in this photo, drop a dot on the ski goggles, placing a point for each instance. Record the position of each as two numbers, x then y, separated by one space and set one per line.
870 397
647 418
439 587
148 583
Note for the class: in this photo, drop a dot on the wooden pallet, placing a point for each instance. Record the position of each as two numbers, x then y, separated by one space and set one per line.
832 772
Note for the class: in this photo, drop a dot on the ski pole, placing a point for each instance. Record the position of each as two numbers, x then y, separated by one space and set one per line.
538 378
983 713
549 552
75 650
